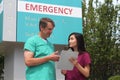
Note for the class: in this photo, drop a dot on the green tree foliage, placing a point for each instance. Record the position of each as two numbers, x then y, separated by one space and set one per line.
101 21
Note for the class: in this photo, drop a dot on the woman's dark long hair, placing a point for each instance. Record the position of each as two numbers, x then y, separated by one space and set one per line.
80 41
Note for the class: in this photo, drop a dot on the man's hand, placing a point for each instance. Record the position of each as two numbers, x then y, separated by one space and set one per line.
54 56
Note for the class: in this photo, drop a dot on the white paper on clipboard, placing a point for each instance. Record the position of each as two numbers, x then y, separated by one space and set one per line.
64 62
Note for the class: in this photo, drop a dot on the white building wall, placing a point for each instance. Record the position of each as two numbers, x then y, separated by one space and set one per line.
9 67
19 66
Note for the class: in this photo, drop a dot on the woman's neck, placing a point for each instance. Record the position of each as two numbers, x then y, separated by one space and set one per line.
75 49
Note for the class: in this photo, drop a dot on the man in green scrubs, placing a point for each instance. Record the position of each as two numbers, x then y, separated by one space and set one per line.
39 53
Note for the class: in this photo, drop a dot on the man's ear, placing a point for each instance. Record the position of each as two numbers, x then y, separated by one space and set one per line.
41 28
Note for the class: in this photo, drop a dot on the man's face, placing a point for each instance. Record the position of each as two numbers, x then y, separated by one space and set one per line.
47 30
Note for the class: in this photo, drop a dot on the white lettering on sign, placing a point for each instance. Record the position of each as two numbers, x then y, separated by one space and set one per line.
41 8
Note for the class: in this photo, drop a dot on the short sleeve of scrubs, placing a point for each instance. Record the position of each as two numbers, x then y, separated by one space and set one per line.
30 45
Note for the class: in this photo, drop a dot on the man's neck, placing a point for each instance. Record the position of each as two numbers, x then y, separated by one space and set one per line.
42 36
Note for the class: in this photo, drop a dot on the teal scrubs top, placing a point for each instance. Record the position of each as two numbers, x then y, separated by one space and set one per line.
40 48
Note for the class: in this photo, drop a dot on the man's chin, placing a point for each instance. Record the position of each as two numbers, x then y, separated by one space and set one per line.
48 36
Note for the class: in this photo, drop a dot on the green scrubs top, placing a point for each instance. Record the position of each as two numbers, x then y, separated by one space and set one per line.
40 48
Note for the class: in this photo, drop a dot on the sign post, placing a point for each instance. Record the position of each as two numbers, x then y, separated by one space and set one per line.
1 19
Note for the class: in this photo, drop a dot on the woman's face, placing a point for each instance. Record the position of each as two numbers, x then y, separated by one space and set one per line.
72 41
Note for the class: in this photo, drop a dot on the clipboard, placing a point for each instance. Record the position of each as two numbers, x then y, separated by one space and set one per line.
64 62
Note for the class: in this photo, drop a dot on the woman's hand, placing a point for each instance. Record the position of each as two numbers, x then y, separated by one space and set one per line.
63 72
73 61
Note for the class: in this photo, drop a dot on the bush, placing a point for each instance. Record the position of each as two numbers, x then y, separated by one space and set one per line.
117 77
